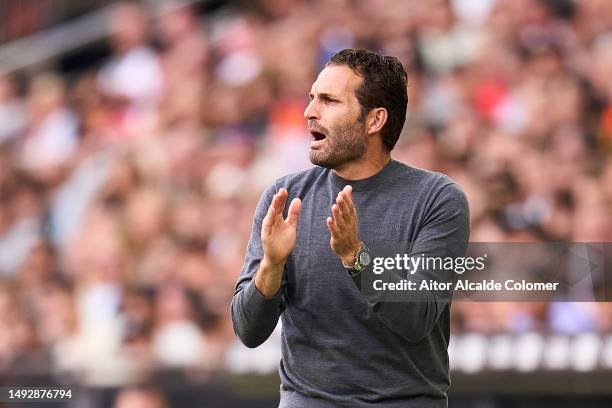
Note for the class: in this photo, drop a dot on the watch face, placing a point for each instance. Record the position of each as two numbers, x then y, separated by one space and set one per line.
364 258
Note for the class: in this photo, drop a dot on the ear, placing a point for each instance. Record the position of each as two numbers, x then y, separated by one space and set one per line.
376 120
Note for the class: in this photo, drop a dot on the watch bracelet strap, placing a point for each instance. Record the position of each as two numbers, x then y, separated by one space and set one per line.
349 267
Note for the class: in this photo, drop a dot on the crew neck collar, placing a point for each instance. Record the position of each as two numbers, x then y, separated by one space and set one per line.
366 183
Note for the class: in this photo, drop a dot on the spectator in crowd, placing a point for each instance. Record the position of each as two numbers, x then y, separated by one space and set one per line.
140 397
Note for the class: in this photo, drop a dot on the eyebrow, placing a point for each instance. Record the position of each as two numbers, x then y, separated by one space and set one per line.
324 95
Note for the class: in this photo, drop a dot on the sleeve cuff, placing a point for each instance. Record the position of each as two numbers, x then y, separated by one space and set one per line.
257 300
357 279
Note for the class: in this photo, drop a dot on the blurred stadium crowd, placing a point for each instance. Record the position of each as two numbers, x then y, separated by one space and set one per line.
127 191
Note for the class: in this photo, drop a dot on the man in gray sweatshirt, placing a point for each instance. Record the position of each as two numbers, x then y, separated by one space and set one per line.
344 345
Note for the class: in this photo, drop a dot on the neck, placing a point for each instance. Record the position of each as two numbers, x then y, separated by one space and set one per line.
363 167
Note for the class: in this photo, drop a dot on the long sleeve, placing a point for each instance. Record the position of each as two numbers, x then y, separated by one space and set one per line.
444 233
254 316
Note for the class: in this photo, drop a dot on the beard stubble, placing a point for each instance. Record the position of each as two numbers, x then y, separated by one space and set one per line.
342 145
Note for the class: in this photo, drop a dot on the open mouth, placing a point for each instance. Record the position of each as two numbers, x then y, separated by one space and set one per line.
317 136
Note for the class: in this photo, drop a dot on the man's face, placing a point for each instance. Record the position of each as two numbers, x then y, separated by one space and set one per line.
338 136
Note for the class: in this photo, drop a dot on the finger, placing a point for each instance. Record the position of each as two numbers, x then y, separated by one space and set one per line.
268 220
337 227
272 208
345 210
294 211
333 228
348 194
349 191
337 217
329 222
266 225
282 198
273 204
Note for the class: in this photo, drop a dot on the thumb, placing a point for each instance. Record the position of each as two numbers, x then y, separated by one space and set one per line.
294 211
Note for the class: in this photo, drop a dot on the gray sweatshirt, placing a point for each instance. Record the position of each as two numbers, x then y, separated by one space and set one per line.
339 346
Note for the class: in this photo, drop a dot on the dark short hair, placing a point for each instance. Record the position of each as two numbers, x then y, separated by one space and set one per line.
384 86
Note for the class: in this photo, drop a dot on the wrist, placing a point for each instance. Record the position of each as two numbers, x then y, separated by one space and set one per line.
268 277
349 258
268 264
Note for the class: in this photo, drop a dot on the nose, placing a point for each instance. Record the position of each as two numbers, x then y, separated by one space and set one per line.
311 112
